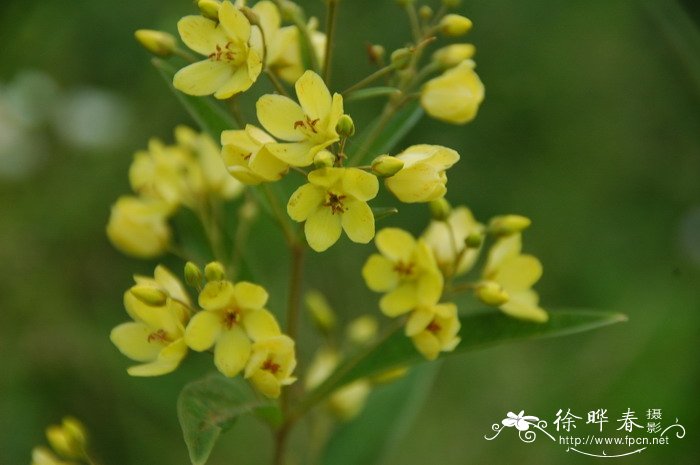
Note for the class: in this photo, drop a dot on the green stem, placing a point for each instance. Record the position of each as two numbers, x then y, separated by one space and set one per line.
369 79
276 83
185 55
413 19
331 19
280 216
236 111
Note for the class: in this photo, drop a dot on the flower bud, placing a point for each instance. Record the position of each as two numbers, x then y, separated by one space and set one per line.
252 17
440 209
362 330
425 12
324 159
214 271
375 53
401 57
345 126
321 312
149 295
505 225
193 275
348 401
386 165
474 240
158 43
390 375
453 25
209 9
68 439
452 55
248 211
491 293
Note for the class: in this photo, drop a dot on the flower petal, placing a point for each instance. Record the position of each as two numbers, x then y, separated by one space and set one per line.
503 248
203 330
360 184
294 153
395 244
419 319
250 296
314 97
518 273
234 22
379 273
278 115
132 340
203 78
267 166
358 221
304 201
217 295
261 324
322 229
399 301
266 383
237 83
523 305
200 34
232 351
168 360
427 344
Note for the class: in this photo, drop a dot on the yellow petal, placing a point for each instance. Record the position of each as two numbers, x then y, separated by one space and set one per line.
313 95
278 114
523 305
358 221
335 114
267 166
503 249
132 340
360 184
269 17
322 229
261 324
200 34
294 153
429 288
232 351
379 273
266 383
254 61
326 177
427 344
216 295
399 301
203 330
395 244
419 319
455 96
238 82
304 201
518 273
168 360
203 78
418 183
234 22
250 296
167 280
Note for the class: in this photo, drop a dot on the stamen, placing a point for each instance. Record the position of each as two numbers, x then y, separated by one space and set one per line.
335 202
271 366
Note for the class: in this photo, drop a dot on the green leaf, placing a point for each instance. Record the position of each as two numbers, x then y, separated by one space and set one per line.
209 114
210 406
385 420
371 92
392 133
479 329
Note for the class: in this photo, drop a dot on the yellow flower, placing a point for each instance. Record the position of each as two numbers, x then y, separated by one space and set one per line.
406 270
447 240
234 52
348 401
433 329
246 156
335 199
455 96
423 178
69 438
233 315
454 54
515 273
271 365
139 227
309 127
43 456
155 337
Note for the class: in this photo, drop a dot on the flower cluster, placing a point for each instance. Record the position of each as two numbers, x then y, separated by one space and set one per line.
68 440
164 178
245 336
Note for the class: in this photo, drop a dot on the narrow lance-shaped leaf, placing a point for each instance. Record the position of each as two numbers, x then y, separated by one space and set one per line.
481 329
210 406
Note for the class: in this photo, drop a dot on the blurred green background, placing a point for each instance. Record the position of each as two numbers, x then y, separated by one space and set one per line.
590 127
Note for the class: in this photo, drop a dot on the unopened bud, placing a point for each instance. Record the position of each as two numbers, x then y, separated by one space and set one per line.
390 375
68 439
324 159
214 271
506 225
375 53
345 126
474 240
321 312
362 329
252 17
386 165
453 25
400 58
425 12
149 295
193 275
440 209
209 9
491 293
452 55
158 43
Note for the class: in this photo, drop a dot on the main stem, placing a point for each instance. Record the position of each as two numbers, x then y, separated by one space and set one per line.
330 36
